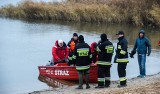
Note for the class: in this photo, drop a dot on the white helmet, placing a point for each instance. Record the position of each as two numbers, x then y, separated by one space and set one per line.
60 43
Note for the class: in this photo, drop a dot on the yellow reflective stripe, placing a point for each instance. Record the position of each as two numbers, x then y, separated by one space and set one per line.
122 52
103 63
70 58
110 49
82 67
108 78
122 79
125 60
101 79
83 51
119 47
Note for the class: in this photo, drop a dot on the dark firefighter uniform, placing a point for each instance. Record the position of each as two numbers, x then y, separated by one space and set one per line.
122 58
105 49
82 56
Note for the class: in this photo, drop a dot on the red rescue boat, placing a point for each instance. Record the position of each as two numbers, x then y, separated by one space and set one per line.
65 72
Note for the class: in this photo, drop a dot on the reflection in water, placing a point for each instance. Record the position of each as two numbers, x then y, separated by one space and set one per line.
55 83
131 32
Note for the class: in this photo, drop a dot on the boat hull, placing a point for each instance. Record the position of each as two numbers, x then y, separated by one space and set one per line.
65 72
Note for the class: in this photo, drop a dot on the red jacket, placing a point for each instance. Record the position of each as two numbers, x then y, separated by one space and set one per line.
94 52
59 52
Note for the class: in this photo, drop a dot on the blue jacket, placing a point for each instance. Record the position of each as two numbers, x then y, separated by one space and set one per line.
142 45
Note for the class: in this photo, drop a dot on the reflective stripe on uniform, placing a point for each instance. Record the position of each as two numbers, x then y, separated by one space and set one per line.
74 57
100 79
90 56
83 51
108 78
110 49
122 79
82 67
70 58
119 47
103 63
122 52
125 60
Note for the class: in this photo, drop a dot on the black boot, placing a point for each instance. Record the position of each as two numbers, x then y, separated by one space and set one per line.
79 87
107 83
80 76
99 87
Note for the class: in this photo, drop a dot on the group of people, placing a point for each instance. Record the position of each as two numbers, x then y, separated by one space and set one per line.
81 55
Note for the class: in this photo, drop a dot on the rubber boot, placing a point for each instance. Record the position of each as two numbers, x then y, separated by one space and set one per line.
107 83
87 80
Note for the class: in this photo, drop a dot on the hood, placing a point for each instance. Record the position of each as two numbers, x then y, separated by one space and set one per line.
141 31
56 44
93 46
103 37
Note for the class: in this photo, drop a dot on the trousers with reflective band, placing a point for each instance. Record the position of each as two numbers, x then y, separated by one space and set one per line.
101 79
103 63
108 78
124 60
122 79
82 67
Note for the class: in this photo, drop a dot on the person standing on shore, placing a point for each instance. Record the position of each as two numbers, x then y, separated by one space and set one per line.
122 58
105 49
83 58
143 47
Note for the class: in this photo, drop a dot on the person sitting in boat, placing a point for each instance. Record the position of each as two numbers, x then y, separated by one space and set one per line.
71 45
82 56
94 52
60 52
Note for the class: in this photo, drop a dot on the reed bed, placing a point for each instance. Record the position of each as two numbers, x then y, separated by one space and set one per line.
137 12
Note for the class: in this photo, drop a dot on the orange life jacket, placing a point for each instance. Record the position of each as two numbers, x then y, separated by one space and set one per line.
72 46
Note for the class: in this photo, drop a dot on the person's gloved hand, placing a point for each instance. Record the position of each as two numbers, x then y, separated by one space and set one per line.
132 54
148 54
66 60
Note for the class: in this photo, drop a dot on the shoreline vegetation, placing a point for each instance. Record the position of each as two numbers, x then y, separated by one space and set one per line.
136 12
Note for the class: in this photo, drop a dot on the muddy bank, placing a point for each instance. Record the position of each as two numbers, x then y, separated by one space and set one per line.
148 85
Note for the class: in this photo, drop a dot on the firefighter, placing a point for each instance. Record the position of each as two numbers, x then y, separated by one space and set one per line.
71 45
82 56
122 58
105 49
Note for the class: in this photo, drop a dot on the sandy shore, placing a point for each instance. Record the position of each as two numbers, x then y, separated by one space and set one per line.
148 85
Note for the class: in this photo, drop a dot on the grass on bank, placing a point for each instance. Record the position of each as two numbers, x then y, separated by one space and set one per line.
138 12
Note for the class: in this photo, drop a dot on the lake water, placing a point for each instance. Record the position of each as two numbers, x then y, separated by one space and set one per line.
24 45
